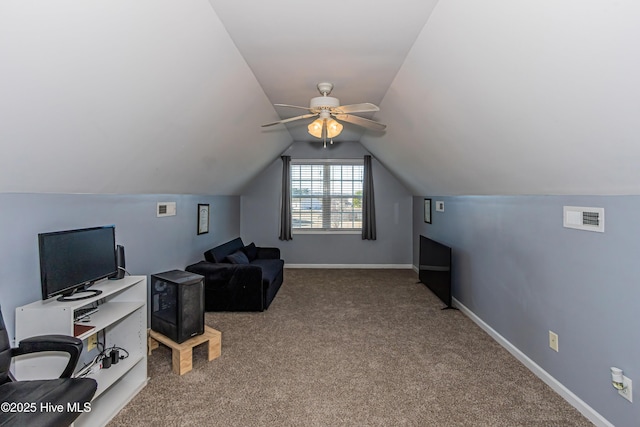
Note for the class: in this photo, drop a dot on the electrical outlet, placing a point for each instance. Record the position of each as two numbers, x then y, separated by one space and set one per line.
553 340
627 391
92 342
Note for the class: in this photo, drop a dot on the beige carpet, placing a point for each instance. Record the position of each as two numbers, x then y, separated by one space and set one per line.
348 348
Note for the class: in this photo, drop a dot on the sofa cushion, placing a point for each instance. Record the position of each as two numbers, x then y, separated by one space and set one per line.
271 268
218 253
251 251
238 257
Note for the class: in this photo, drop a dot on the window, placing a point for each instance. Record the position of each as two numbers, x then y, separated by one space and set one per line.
326 195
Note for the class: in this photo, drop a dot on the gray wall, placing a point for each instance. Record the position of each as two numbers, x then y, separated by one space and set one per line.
261 212
151 244
517 268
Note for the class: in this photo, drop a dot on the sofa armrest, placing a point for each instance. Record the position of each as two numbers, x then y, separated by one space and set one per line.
268 253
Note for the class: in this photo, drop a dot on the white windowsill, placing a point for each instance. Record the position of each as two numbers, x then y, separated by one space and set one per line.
326 231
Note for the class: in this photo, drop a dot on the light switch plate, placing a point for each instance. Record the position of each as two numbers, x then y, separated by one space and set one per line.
439 206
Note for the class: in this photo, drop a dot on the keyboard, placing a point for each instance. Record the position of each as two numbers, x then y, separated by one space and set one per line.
81 313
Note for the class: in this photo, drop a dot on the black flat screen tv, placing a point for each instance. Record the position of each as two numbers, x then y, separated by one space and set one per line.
72 260
435 268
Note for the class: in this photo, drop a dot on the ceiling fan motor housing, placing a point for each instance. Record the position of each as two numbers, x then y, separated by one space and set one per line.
323 103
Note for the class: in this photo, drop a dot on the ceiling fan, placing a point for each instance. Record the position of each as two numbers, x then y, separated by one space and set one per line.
327 109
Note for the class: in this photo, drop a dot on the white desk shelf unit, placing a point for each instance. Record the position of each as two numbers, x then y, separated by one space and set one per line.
121 321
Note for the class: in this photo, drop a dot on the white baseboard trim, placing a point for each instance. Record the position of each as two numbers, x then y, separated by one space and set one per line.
564 392
354 266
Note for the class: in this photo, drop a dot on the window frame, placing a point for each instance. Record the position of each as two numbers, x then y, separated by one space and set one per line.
326 195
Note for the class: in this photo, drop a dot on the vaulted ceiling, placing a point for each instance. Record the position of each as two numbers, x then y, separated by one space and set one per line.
159 96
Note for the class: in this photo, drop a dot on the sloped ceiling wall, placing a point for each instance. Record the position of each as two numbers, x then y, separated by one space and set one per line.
517 97
115 96
153 96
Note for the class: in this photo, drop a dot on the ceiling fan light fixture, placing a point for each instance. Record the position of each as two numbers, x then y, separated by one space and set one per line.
333 128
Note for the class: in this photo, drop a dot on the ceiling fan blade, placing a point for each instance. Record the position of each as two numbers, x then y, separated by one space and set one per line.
355 108
304 116
360 121
292 106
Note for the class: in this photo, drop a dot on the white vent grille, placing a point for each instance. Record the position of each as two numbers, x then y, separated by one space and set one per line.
166 209
581 218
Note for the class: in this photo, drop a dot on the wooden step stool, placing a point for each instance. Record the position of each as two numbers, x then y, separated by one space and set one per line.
182 354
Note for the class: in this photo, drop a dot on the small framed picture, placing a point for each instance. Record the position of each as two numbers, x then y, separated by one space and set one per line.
427 211
203 218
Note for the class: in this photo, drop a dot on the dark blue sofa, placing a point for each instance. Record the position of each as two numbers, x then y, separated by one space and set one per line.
239 277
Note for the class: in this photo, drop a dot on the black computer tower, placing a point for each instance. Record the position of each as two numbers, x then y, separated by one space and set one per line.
177 304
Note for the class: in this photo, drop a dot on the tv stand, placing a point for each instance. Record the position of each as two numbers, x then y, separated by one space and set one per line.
76 296
121 322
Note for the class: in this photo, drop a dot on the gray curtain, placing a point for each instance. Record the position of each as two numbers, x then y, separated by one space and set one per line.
285 210
368 203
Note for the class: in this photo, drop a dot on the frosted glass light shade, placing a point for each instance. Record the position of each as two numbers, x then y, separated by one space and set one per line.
315 128
333 128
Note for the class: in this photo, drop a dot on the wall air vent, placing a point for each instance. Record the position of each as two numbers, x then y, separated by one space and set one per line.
166 209
590 219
